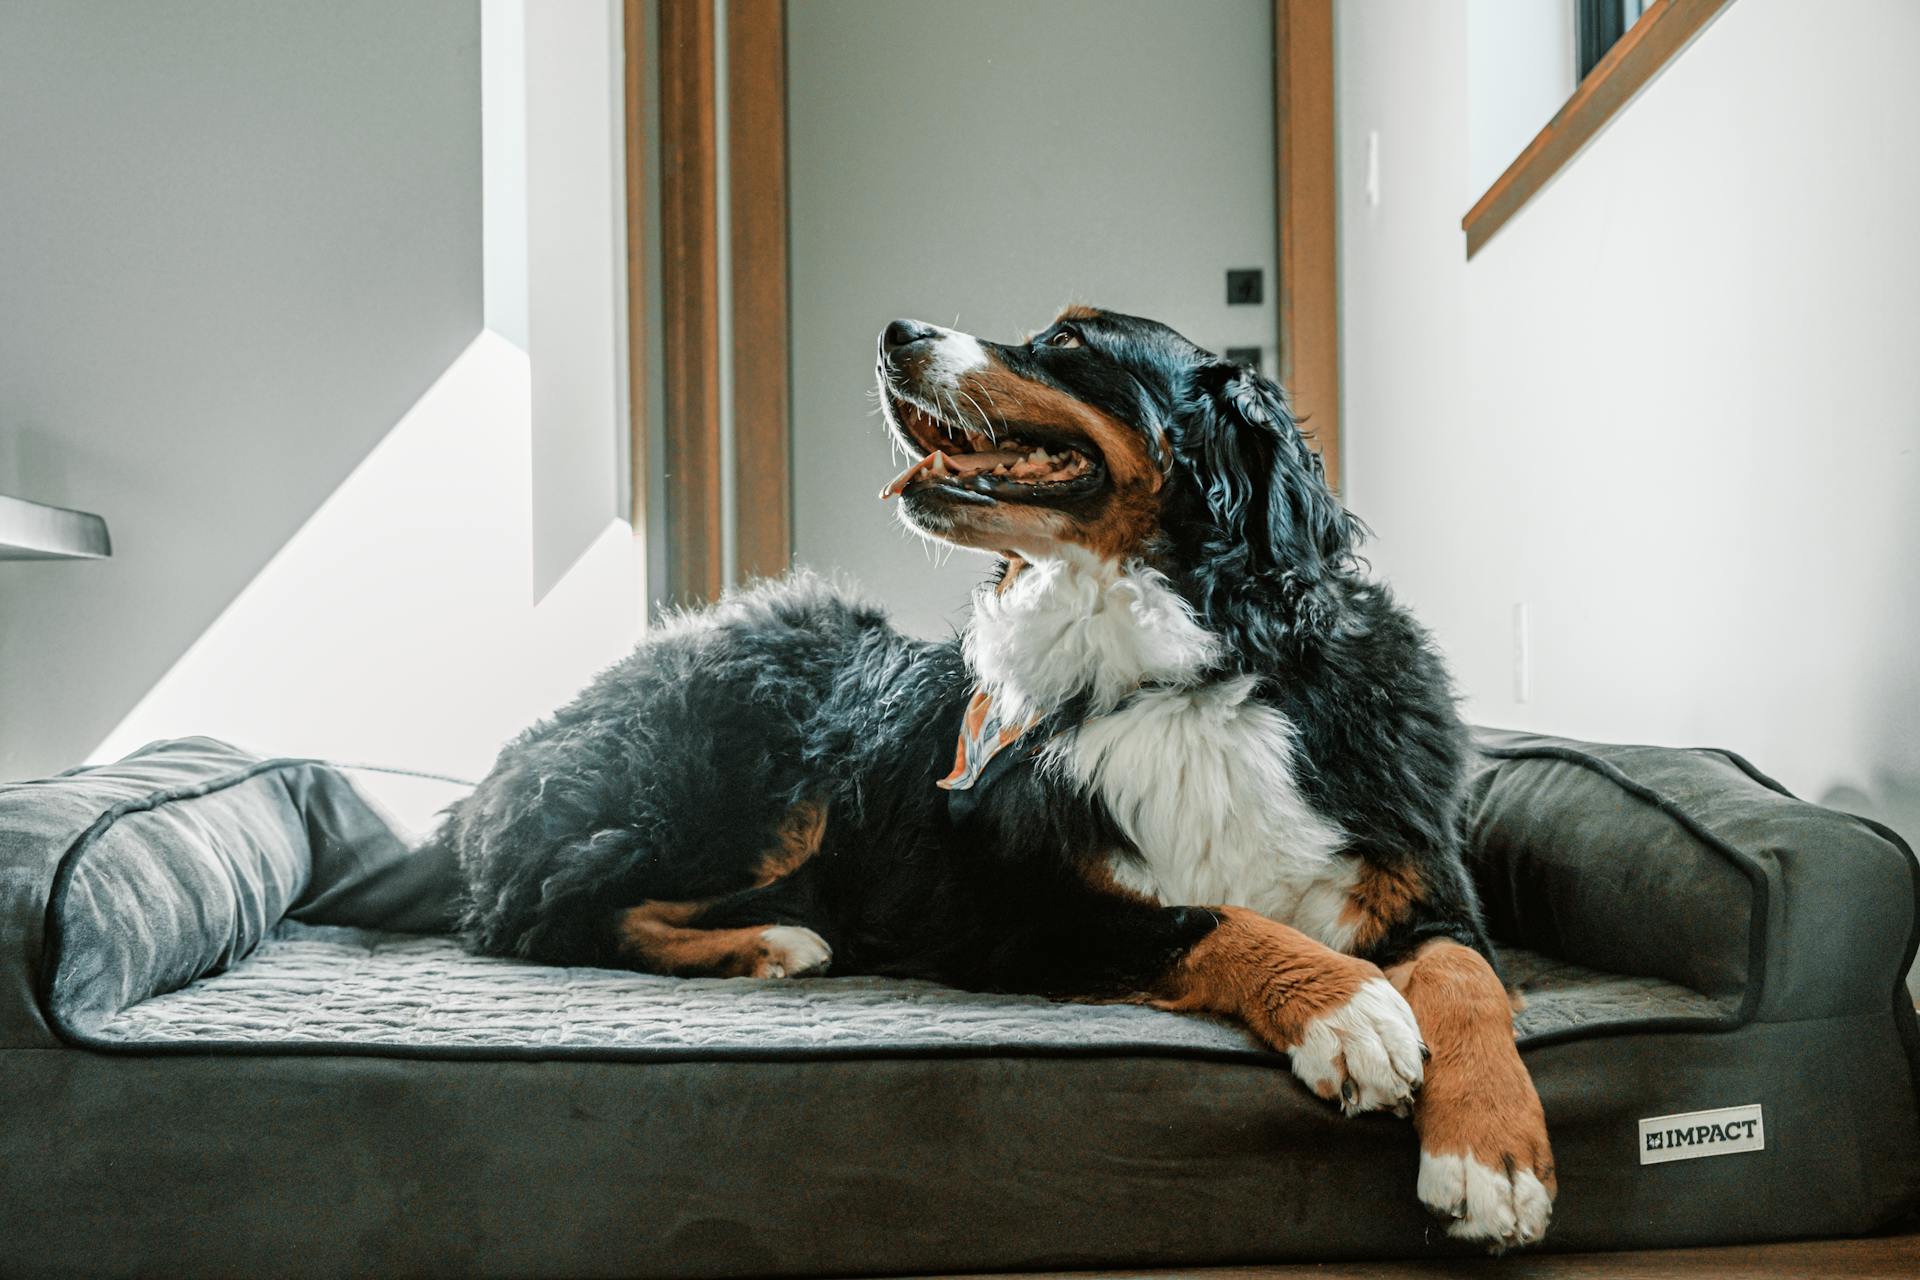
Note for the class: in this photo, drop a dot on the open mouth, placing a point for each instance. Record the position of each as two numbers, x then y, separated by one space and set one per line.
1019 463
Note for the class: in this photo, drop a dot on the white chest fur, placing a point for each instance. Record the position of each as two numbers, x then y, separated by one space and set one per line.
1201 781
1199 775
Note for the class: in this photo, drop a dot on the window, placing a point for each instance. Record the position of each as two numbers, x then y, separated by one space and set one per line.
1601 24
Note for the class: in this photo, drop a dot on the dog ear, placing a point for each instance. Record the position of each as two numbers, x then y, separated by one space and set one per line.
1264 485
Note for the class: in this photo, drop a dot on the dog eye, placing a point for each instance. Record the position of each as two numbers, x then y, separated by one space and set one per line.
1064 338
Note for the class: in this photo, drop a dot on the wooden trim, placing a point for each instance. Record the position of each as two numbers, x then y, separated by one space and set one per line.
690 298
633 18
1666 28
757 201
1308 285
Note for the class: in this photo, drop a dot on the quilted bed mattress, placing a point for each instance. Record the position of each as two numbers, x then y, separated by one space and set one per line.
234 1039
365 990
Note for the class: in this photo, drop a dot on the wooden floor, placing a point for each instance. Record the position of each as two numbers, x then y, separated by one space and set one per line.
1880 1256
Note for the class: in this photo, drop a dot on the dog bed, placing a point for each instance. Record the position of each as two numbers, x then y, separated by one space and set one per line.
234 1039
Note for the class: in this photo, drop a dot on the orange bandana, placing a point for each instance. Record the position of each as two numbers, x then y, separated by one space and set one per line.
983 735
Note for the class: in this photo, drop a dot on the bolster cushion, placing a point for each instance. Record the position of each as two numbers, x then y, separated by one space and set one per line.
1690 865
135 878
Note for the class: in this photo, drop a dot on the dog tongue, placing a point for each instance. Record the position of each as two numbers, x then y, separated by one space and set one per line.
941 463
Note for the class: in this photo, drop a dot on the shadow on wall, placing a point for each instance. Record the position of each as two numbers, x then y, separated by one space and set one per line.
395 628
226 278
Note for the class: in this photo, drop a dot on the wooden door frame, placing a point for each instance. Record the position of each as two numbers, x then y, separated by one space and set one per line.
690 311
1307 289
1307 213
761 341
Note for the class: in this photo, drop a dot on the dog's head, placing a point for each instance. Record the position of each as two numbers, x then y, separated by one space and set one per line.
1109 434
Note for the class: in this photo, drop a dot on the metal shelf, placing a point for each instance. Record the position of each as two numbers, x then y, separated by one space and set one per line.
35 531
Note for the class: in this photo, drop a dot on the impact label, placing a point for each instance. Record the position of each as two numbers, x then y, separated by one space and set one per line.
1694 1134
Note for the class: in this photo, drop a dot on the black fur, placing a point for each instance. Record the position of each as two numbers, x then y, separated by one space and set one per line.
666 778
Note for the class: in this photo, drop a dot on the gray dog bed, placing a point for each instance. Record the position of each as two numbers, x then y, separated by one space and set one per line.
233 1040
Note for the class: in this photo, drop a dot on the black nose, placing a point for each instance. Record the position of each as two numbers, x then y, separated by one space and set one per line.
902 332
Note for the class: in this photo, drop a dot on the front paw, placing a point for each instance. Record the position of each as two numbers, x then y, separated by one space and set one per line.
1364 1054
1503 1204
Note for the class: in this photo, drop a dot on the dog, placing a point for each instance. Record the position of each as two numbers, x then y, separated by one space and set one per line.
1185 753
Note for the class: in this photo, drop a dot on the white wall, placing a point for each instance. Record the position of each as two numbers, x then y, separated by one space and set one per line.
1674 405
1521 59
243 302
224 278
983 165
576 278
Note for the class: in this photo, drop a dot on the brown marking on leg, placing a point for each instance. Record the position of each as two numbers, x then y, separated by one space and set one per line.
1268 975
1349 1036
1014 565
657 937
1478 1102
1381 898
661 937
795 841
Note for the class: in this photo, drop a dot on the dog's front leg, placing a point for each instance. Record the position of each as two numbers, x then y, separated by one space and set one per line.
1485 1163
1350 1035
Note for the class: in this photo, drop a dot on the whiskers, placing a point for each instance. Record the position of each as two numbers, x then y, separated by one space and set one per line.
973 418
955 408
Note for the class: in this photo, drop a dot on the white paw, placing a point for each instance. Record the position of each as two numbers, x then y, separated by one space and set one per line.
790 951
1366 1054
1484 1203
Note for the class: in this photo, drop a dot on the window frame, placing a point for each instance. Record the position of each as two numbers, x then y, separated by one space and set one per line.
1643 51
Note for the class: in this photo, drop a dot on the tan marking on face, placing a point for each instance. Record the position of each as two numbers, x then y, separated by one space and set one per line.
1128 516
1267 975
1077 312
1014 565
1124 528
1016 399
1381 898
1478 1098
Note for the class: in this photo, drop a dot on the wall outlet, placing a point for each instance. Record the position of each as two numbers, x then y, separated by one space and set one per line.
1244 286
1522 654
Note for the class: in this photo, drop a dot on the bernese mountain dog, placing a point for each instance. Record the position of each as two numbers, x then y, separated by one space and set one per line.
1185 753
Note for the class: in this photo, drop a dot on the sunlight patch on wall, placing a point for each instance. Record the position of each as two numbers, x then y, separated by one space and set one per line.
394 628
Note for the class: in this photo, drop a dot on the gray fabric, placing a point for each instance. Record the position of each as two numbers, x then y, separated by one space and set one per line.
347 987
166 893
199 849
1688 865
193 852
316 1157
126 943
325 1165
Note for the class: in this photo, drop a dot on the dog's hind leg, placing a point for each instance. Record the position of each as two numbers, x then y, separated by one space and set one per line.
697 939
663 937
